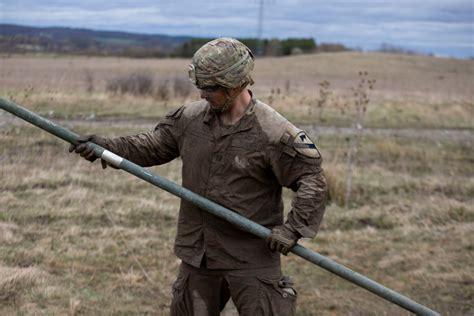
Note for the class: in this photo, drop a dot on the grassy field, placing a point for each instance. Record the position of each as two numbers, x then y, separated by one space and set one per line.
410 91
77 240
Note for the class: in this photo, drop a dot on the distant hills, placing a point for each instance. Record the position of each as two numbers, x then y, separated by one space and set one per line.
17 39
24 39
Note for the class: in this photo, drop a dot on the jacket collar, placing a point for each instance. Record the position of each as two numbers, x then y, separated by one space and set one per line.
245 123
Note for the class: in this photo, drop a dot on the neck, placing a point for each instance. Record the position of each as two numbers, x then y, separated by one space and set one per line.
237 109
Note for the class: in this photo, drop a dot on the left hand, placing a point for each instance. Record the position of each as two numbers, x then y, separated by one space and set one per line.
87 152
282 239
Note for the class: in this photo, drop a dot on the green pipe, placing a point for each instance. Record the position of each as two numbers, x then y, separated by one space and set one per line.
218 210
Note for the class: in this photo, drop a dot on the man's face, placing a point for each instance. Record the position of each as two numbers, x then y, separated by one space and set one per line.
215 95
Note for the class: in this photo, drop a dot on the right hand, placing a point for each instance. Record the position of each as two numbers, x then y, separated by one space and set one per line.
282 239
85 151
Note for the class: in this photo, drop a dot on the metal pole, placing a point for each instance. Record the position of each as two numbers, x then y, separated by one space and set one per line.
218 210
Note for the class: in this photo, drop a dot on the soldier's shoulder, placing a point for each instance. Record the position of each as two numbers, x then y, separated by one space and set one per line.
187 111
194 109
273 124
280 131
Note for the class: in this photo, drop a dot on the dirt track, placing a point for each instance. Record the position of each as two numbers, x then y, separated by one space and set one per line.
458 135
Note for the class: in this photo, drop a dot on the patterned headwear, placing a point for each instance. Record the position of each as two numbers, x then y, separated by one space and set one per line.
224 61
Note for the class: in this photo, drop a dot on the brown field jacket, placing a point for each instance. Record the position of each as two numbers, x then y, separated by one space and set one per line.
242 167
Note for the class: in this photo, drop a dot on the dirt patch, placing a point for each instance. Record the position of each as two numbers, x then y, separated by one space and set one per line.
434 134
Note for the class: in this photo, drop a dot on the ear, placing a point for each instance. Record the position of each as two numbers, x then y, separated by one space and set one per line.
235 91
232 92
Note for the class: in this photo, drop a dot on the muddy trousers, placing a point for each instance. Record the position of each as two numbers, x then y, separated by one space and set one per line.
255 292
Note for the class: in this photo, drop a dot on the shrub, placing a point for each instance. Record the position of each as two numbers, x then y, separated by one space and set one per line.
162 90
182 87
89 81
335 181
135 83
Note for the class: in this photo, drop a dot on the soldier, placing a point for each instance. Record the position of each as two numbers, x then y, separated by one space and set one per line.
238 152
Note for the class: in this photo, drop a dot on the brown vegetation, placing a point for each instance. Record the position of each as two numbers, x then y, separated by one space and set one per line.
78 240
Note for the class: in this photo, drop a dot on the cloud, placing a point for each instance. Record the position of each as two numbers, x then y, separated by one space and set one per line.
360 23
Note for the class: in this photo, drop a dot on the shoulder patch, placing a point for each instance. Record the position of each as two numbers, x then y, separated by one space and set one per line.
305 146
171 117
176 113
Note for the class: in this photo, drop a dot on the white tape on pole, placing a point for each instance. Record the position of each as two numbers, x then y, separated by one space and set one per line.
112 158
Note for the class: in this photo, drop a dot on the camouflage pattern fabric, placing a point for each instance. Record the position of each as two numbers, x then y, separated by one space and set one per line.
224 61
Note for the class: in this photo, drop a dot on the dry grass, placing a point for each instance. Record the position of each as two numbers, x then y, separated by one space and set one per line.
410 91
112 252
77 240
16 281
397 75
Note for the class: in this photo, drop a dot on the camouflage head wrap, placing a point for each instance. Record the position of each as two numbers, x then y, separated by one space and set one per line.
223 61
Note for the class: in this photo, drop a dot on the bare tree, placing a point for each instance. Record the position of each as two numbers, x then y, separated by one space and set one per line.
360 102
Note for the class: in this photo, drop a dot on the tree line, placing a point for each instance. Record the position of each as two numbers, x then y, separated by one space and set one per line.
268 47
136 47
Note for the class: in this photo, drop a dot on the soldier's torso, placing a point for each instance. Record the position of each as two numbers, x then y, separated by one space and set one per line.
230 166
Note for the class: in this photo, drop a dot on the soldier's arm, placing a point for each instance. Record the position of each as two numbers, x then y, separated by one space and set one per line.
151 148
145 149
297 165
309 202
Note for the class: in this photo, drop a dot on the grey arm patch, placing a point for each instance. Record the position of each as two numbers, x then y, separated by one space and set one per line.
305 146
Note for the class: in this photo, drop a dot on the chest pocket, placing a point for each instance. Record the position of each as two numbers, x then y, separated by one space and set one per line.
245 143
203 135
197 146
245 154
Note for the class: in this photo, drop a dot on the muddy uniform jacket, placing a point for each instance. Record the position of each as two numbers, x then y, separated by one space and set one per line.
242 167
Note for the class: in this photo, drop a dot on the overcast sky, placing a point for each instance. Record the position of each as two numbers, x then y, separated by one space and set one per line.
441 27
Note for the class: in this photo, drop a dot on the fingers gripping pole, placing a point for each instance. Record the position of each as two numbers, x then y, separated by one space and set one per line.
218 210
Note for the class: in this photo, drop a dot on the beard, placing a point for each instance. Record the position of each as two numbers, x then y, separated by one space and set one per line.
215 110
221 108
